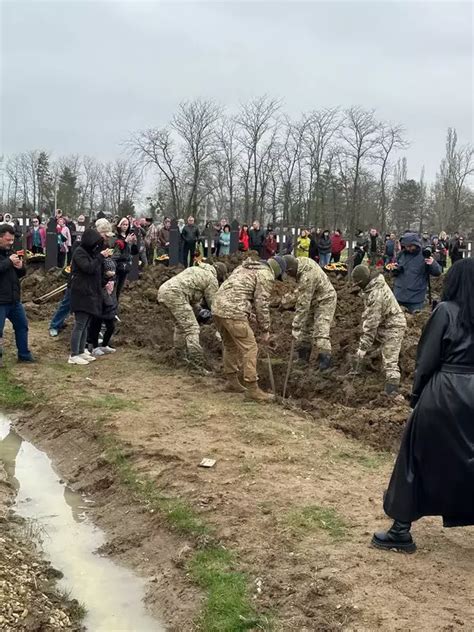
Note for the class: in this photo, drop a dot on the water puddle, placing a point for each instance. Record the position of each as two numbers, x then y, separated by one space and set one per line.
111 594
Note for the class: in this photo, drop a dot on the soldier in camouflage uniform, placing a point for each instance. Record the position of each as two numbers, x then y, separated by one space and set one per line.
383 320
315 307
250 285
180 294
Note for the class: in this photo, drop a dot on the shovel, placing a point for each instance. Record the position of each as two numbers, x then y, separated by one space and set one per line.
270 373
290 364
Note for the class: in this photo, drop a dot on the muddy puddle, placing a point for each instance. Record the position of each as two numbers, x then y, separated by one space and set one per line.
57 517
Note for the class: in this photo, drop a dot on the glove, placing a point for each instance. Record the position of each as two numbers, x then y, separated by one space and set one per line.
360 354
204 316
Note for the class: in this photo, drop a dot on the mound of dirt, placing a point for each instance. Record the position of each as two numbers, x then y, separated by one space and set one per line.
369 414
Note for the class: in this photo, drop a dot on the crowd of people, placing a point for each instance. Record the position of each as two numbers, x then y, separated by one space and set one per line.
439 437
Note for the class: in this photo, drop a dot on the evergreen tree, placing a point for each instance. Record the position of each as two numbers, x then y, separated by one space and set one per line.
67 192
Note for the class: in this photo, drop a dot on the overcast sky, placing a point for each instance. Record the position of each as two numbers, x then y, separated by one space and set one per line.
78 77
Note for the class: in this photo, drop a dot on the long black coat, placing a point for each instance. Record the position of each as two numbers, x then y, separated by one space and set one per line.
434 472
86 275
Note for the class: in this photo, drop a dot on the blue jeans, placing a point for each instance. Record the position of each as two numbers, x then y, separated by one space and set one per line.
412 307
15 312
324 259
62 312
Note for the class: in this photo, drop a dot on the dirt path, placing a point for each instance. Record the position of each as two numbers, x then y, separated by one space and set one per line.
296 499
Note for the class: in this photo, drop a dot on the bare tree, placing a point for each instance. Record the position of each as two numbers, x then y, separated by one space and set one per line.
156 147
255 120
124 179
391 139
195 122
360 134
320 131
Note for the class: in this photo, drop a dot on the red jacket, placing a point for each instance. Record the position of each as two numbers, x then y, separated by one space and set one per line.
270 247
244 240
337 244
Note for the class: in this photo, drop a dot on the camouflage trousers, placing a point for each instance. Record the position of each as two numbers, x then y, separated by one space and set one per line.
390 340
317 326
186 329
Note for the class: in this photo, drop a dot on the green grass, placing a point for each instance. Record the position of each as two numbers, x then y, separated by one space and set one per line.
177 512
370 461
227 607
110 402
315 518
12 395
76 610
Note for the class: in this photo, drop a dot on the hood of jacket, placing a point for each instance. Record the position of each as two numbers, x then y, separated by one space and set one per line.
90 240
411 239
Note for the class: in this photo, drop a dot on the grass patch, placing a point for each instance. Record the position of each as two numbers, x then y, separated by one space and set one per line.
12 395
76 610
110 402
370 461
177 512
227 608
315 518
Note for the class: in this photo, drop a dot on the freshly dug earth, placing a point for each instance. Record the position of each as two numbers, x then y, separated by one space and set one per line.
374 417
295 500
29 600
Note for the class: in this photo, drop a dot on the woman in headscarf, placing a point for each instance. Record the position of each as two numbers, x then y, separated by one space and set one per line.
434 473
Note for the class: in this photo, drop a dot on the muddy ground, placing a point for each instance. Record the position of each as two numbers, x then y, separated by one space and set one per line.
375 419
29 598
294 497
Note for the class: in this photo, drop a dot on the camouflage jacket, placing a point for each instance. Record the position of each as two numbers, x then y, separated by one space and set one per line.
192 284
250 283
313 283
381 309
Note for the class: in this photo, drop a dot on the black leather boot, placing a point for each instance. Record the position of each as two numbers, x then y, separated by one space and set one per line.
398 538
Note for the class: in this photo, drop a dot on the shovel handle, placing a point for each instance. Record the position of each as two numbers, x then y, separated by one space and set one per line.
270 371
290 363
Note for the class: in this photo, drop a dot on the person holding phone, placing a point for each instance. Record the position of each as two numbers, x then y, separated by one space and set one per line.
11 271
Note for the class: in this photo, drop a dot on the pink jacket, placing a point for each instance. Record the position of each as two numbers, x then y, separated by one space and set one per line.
29 237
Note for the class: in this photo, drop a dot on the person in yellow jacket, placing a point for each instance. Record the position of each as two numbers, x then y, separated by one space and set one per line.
302 244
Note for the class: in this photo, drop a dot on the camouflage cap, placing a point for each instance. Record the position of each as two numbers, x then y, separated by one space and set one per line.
361 276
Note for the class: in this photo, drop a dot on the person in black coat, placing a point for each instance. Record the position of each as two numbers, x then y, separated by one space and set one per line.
86 290
125 248
434 473
11 271
256 238
190 237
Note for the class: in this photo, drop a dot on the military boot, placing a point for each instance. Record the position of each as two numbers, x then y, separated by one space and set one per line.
391 387
197 364
324 361
233 384
304 354
398 537
256 394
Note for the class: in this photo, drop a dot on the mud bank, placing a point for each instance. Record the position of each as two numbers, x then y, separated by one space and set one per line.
290 502
29 597
135 537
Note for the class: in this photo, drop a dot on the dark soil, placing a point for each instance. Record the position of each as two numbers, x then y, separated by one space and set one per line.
368 413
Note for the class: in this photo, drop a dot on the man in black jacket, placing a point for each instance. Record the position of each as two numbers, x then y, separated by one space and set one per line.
11 270
256 238
189 236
